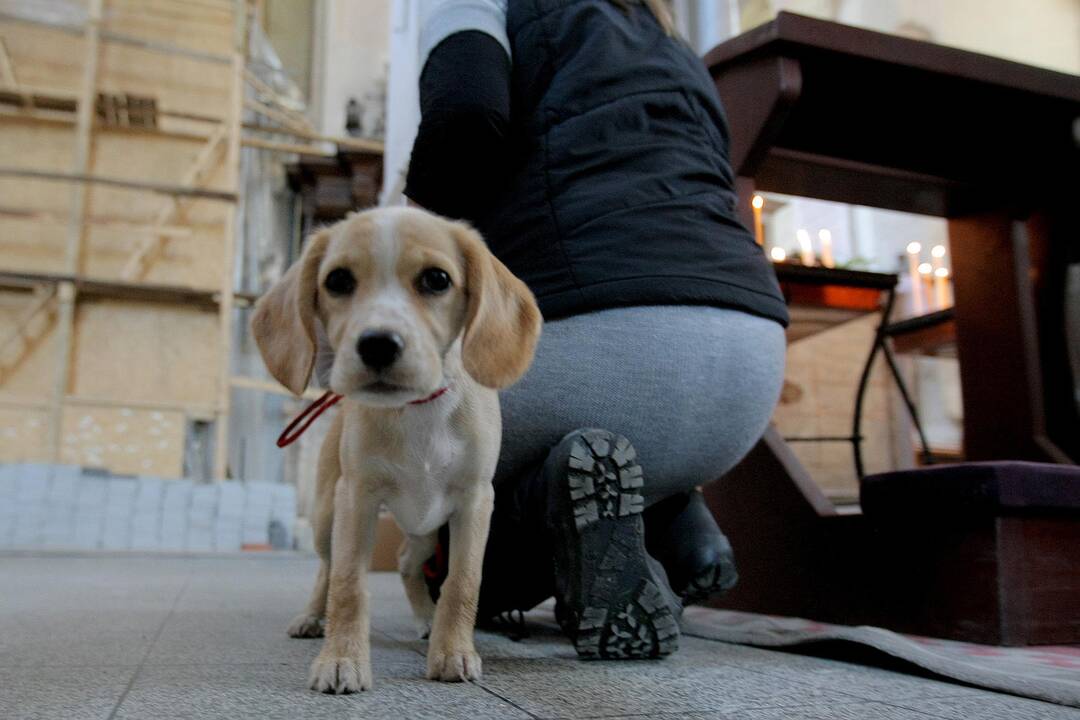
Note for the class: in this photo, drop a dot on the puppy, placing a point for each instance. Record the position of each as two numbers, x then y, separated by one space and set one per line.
425 324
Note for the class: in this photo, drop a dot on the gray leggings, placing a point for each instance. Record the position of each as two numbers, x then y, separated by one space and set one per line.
692 387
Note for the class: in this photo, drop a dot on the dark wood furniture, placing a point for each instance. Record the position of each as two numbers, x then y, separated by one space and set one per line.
821 298
927 558
993 555
329 188
827 111
932 335
833 112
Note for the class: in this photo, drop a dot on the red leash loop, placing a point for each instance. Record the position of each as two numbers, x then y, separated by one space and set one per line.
314 410
325 402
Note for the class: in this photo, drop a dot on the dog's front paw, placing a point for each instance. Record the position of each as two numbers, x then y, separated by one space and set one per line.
340 675
305 626
453 665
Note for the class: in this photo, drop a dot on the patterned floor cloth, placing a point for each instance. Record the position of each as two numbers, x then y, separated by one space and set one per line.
1049 673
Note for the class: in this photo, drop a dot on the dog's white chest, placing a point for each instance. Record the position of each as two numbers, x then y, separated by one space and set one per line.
422 493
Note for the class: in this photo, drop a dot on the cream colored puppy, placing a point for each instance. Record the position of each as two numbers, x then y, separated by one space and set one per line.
425 324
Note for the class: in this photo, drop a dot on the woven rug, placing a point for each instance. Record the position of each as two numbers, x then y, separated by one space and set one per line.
1050 673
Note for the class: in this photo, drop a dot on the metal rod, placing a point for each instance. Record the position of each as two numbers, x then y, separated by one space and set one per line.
928 456
864 380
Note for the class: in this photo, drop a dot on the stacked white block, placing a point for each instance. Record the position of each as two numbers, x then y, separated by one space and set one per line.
119 511
200 535
175 511
56 506
282 515
8 510
93 498
146 522
228 523
58 524
31 491
260 500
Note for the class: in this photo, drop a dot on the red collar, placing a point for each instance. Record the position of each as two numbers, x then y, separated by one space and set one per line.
438 393
327 400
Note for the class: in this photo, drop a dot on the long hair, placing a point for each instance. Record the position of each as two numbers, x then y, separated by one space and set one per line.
659 8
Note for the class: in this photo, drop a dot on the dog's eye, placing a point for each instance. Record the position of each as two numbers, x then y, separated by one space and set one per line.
433 281
339 281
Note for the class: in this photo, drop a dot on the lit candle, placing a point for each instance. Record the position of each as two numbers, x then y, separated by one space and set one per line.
940 276
913 250
778 254
926 279
759 229
826 248
941 287
806 251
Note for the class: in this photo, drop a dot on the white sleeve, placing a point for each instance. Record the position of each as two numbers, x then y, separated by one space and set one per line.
439 19
416 28
402 100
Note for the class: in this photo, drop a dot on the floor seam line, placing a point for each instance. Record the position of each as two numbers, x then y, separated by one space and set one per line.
149 650
479 684
506 700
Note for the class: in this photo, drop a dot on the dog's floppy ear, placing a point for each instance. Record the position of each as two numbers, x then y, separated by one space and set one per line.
502 322
284 320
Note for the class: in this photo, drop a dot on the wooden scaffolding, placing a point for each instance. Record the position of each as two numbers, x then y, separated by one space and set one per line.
121 125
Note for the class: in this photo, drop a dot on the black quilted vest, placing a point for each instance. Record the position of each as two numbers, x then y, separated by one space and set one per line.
620 191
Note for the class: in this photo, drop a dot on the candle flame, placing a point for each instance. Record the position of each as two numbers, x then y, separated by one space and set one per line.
926 269
778 254
942 272
758 202
806 250
914 248
938 251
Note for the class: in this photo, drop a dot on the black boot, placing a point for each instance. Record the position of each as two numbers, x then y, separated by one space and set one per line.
518 574
681 533
613 600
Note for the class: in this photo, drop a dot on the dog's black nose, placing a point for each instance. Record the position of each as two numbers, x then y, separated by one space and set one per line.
379 348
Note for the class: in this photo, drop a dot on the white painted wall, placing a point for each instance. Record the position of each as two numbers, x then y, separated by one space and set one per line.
1045 33
403 99
706 24
350 57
